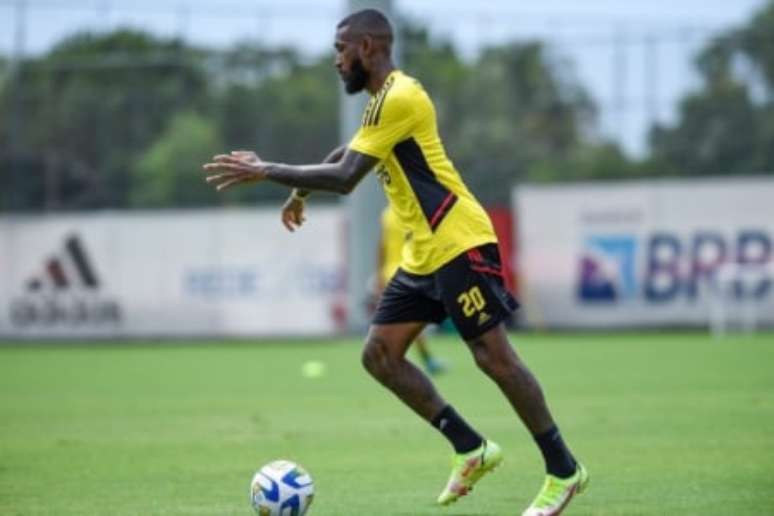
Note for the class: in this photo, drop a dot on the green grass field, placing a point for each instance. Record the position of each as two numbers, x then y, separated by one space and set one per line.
667 424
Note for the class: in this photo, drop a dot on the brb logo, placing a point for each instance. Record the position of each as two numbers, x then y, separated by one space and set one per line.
665 266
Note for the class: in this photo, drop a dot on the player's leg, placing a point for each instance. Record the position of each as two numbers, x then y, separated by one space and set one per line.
565 477
478 303
405 307
384 358
495 356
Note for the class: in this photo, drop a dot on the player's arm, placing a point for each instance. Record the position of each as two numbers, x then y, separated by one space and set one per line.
371 143
292 214
333 157
338 177
242 167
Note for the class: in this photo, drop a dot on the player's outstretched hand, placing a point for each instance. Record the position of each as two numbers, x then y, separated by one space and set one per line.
239 167
293 213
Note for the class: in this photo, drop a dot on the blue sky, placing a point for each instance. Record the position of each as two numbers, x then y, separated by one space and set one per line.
633 56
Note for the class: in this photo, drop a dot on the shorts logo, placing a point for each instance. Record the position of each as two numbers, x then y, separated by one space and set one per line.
606 271
483 317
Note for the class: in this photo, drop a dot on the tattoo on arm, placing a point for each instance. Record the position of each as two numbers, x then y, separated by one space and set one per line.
339 177
333 156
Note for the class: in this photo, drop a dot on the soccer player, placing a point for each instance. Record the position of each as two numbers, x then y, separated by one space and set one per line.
450 267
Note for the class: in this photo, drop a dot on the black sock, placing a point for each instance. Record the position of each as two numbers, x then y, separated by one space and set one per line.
457 431
559 460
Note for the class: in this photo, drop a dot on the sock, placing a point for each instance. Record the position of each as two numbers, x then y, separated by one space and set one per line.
461 436
559 460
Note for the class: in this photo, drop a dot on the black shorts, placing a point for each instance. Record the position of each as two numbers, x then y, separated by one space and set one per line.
469 289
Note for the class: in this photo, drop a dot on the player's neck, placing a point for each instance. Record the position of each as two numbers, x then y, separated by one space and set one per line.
379 74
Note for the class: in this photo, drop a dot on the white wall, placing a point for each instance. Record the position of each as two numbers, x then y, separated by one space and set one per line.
169 273
643 253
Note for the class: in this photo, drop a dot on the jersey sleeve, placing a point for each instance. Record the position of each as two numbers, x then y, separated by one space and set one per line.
383 127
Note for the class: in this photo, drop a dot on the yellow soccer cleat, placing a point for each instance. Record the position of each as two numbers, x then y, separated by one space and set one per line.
468 468
556 493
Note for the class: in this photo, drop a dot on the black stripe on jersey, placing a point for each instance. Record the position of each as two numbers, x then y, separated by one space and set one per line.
374 109
380 102
375 103
434 198
367 113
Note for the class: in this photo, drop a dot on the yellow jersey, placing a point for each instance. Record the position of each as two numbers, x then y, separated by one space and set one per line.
393 238
441 217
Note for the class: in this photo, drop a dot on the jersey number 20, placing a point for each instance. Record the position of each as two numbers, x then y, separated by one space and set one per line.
472 301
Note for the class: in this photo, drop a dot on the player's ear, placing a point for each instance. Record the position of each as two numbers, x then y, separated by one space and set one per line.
366 46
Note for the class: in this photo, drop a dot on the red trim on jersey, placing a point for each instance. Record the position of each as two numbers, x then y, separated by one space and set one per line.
489 270
475 255
435 219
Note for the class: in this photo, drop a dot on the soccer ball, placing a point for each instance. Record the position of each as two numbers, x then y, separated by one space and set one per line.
281 488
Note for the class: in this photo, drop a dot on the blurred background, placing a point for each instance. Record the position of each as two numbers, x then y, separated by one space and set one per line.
625 151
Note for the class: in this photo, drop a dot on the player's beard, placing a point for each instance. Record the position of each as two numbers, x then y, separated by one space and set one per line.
357 78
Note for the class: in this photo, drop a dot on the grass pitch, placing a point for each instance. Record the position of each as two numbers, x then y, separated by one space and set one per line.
667 424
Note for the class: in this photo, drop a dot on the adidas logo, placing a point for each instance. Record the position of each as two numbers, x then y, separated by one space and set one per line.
61 272
66 292
483 317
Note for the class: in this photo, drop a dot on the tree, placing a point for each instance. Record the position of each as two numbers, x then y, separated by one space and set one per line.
167 173
587 162
726 127
89 108
115 119
287 111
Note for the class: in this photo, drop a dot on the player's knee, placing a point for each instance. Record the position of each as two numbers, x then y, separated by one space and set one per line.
369 364
494 364
484 360
375 358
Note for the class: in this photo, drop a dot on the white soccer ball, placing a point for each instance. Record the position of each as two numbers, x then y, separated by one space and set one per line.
281 488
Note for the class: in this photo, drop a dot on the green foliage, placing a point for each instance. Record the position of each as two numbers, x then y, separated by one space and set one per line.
531 116
171 167
85 112
756 42
716 134
726 127
102 108
287 113
603 162
113 119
